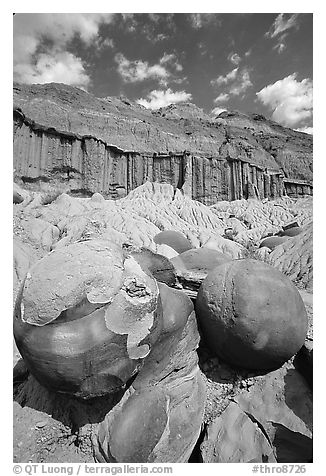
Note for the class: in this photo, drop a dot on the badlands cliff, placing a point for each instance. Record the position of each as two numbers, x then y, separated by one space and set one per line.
69 140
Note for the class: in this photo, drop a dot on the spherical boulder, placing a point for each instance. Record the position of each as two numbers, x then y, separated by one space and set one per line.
174 239
251 315
294 231
199 260
156 265
272 242
86 317
97 198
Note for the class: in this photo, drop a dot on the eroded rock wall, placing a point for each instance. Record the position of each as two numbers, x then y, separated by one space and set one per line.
46 158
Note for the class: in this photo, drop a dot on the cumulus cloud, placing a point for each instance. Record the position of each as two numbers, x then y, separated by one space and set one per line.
290 100
217 110
138 70
307 130
31 63
223 97
59 67
161 98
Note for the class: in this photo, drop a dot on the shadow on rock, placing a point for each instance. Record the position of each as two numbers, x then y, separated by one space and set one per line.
291 446
297 393
220 371
71 412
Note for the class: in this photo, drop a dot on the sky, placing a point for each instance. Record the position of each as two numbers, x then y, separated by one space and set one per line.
250 62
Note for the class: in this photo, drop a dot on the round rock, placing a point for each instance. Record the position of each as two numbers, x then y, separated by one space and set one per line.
86 317
200 260
157 265
251 315
272 242
97 198
294 231
174 239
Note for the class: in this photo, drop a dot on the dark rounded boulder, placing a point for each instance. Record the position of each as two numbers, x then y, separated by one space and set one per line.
294 231
85 318
156 265
174 239
144 413
272 242
251 315
199 260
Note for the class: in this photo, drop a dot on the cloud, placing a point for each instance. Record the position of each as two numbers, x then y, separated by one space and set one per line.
217 110
280 45
36 60
198 20
234 58
161 98
280 29
160 37
307 130
103 43
172 60
138 70
59 67
242 84
290 100
129 21
238 78
281 24
223 97
202 48
150 25
60 28
225 79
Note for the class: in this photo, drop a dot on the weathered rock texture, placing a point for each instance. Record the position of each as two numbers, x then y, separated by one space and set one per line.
270 421
251 315
136 219
56 427
165 404
86 318
294 258
67 138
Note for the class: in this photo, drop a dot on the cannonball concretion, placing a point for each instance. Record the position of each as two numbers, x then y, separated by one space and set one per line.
272 242
293 231
174 239
86 317
251 315
199 260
